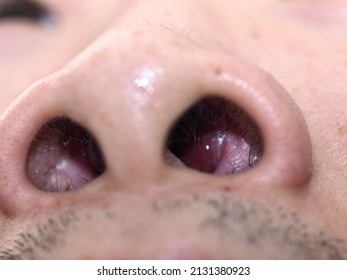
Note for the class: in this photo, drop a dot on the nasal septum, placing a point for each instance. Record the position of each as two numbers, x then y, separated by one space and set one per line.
218 153
221 153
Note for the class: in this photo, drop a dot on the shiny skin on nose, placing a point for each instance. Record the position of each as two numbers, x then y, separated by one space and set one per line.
127 98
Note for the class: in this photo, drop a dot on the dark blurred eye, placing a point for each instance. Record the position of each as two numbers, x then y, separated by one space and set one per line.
25 10
215 136
63 156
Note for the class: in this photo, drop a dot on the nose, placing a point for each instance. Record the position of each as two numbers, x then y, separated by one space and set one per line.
128 89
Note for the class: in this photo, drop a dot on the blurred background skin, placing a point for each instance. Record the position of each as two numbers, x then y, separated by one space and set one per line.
300 43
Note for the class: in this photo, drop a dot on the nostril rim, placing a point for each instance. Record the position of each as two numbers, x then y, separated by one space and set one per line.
63 156
215 136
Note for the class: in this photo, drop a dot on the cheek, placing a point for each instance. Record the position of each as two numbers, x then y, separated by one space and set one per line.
16 76
27 57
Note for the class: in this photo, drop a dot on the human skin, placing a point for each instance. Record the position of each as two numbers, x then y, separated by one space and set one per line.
126 71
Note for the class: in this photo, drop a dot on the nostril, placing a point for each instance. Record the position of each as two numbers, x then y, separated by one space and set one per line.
63 156
215 136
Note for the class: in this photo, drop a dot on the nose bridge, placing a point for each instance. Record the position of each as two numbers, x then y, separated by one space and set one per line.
129 93
128 89
135 82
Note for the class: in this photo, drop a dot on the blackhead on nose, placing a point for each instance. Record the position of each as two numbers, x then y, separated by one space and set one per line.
128 92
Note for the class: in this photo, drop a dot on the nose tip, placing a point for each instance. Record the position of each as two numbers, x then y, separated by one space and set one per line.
129 95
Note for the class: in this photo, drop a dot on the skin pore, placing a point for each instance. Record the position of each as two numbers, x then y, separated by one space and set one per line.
127 71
